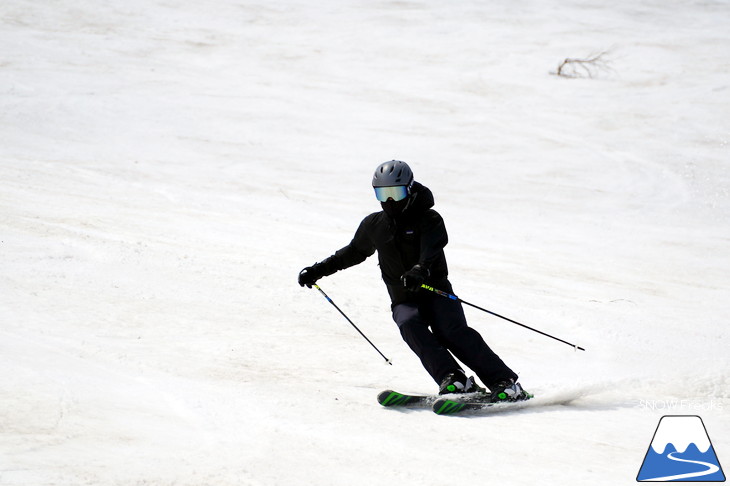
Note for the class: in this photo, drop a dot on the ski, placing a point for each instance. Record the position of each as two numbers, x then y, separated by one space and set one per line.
480 403
448 406
390 398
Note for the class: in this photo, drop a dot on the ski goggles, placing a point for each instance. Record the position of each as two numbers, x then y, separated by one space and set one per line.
396 193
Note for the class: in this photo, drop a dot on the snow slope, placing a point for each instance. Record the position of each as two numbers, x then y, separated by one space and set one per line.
168 167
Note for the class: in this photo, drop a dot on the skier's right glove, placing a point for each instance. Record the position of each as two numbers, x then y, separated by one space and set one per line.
310 275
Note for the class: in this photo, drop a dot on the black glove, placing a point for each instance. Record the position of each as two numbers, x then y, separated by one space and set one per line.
415 277
309 276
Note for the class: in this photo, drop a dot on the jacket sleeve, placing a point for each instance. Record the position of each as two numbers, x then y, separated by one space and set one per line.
354 253
433 238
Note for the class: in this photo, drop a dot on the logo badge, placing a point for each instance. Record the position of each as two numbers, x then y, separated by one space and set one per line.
681 451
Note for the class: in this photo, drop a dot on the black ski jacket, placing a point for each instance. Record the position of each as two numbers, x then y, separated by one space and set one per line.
418 235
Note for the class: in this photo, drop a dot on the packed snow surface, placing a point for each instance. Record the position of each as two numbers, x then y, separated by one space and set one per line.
168 167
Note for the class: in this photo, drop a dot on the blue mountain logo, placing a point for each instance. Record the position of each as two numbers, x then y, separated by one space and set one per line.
681 451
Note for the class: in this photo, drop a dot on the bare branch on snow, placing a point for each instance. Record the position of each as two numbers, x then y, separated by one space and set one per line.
588 67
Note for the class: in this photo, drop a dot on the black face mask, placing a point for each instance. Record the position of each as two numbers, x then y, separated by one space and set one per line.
394 208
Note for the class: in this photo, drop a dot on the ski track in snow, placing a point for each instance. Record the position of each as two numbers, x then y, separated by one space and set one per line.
167 168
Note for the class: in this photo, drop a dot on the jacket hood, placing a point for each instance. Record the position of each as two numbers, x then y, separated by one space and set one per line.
421 198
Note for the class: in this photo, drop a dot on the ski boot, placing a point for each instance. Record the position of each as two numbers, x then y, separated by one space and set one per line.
508 391
457 382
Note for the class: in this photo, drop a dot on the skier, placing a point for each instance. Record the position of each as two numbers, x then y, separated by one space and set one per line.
410 238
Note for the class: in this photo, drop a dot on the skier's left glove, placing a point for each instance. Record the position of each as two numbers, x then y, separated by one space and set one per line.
415 277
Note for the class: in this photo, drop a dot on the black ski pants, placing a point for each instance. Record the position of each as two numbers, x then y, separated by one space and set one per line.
435 328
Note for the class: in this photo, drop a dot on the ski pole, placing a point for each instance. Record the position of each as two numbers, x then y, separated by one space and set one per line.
453 297
352 323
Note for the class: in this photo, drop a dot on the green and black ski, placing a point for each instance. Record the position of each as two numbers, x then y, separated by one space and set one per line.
449 406
390 398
